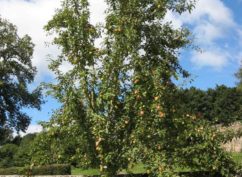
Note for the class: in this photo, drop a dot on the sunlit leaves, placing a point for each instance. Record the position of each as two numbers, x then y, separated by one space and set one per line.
118 100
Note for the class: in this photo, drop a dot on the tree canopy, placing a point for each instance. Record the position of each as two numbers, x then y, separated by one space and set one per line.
16 72
17 151
221 105
119 96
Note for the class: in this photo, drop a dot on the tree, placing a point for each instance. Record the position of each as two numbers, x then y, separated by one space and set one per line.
17 152
6 135
226 104
119 97
16 72
221 105
23 155
7 153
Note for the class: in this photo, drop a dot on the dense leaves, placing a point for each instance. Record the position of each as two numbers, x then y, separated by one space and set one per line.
221 105
119 97
16 72
17 152
5 135
41 170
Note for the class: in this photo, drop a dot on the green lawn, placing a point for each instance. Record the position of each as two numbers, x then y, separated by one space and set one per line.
136 169
139 168
79 171
237 156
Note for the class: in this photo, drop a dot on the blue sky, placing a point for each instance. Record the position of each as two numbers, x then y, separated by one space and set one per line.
215 24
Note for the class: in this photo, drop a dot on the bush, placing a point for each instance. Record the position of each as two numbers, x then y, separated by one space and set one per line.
12 171
42 170
52 170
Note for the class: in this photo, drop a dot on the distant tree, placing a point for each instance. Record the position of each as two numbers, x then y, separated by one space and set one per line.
221 105
226 103
23 156
6 135
7 153
16 140
17 152
16 72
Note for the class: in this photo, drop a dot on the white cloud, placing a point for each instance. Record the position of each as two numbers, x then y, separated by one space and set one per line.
31 129
210 21
214 11
206 33
97 8
174 18
214 58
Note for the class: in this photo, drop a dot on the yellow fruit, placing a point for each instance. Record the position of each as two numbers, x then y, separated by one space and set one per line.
138 97
136 81
142 113
158 107
161 114
156 98
117 30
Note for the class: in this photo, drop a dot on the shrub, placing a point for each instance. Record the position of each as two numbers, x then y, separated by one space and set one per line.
62 169
11 171
52 170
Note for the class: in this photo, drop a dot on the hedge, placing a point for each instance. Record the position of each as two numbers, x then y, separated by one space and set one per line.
12 171
62 169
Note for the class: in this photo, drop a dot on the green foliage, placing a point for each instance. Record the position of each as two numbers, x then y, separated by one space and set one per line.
7 153
60 169
23 155
118 100
221 105
16 72
5 135
42 170
11 171
17 154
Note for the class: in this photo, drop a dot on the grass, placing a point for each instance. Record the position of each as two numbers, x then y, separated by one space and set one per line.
79 171
237 156
139 168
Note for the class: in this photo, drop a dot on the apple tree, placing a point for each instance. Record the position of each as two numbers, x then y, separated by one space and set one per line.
119 97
